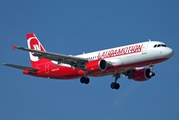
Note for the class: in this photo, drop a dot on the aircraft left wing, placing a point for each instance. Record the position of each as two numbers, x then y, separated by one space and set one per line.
75 62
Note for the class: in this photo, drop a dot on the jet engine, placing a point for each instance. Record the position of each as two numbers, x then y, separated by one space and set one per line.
96 65
141 74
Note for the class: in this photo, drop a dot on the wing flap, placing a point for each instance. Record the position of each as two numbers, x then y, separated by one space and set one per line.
20 67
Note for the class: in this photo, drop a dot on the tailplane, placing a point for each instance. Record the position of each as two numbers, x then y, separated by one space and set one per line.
34 44
21 67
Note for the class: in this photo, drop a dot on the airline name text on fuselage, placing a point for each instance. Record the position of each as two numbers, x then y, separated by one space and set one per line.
120 51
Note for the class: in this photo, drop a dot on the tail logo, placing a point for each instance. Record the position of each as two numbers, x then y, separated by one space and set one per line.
34 43
36 47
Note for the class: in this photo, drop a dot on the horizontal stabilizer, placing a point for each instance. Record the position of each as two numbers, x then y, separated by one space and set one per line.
20 67
13 47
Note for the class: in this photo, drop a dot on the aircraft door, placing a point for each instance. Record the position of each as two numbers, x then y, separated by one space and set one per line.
144 48
47 67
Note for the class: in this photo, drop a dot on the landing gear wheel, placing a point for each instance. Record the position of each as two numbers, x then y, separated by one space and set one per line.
115 85
151 69
87 80
150 73
153 74
84 80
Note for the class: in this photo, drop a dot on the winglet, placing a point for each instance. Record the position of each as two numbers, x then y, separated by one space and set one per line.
14 47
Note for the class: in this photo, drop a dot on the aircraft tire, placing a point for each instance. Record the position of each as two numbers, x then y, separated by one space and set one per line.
115 85
82 79
87 80
153 74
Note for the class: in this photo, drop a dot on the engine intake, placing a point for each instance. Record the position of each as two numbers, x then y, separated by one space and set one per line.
142 74
96 65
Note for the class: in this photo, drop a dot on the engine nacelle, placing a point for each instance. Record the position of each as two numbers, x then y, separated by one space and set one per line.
142 74
96 65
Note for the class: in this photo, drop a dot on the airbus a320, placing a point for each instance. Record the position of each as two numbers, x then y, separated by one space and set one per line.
128 60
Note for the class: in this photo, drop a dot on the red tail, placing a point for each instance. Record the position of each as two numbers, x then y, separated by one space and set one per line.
34 43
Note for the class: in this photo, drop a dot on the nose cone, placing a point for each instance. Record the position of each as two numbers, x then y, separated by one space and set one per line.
168 52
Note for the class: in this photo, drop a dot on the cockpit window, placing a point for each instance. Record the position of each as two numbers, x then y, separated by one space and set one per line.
160 45
164 45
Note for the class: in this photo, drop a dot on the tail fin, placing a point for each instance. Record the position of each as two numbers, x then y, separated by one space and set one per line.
34 43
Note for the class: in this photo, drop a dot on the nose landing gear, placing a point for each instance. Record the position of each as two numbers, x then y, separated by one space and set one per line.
151 70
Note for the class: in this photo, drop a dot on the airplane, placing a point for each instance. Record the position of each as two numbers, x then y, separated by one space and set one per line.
128 60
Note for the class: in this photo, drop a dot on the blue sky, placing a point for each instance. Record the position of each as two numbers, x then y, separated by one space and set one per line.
73 27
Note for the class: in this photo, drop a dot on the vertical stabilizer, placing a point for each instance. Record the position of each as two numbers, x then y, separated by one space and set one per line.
34 43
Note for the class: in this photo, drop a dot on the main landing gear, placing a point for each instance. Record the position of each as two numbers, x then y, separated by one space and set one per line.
85 80
115 85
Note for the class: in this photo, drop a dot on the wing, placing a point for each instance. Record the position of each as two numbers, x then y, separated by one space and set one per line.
76 62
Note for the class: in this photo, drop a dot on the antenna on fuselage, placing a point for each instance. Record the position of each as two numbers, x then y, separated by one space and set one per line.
149 40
